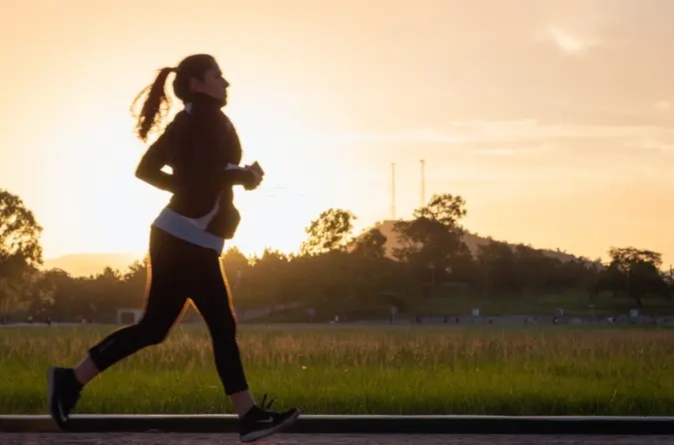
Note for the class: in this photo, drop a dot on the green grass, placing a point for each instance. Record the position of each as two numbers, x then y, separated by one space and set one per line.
354 369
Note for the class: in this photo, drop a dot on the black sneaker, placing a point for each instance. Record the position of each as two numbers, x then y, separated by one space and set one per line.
259 422
64 392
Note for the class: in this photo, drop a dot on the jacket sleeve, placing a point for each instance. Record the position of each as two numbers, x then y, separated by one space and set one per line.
150 167
201 155
235 176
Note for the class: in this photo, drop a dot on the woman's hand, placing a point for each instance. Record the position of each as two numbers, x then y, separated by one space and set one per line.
252 180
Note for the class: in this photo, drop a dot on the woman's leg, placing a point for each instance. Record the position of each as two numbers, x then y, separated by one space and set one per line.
210 294
165 300
212 299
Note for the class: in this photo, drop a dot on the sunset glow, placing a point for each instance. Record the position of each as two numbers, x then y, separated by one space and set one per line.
554 120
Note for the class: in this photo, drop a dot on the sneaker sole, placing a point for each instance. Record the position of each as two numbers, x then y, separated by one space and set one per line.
54 408
257 435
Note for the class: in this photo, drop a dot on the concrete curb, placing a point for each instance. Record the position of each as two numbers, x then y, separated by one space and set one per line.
334 424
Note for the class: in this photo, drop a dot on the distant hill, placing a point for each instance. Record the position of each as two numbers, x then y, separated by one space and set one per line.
472 241
85 264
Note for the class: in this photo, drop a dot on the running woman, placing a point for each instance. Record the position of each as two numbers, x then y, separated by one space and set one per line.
186 240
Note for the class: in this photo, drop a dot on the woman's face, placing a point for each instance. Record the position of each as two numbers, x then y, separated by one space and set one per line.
213 84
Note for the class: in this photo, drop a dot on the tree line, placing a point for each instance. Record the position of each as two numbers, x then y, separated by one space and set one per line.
334 270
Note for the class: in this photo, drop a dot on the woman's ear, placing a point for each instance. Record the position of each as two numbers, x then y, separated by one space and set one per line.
195 85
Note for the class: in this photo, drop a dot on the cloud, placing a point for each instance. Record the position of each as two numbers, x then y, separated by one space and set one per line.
652 146
532 129
526 137
412 135
496 152
568 42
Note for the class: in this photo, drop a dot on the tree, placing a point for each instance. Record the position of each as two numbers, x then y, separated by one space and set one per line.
446 209
133 286
334 274
20 250
10 296
136 273
19 235
431 243
330 231
236 266
371 245
644 279
269 277
43 292
610 279
498 266
624 257
234 259
437 222
370 270
536 271
633 272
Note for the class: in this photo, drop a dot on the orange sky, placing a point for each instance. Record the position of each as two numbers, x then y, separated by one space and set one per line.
554 119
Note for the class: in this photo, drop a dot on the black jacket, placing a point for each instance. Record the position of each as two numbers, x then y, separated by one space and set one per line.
198 145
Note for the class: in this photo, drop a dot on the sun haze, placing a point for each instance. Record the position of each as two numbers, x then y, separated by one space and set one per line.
553 119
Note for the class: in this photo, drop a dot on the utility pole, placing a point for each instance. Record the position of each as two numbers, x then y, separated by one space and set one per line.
423 183
393 191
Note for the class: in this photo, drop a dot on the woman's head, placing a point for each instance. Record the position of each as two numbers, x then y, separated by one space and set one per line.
196 74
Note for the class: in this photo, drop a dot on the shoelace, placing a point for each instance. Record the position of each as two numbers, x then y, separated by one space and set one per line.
267 406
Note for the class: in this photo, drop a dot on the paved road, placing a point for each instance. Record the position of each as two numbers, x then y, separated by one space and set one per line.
308 439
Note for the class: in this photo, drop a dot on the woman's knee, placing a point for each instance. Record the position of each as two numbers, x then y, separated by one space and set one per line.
152 333
223 333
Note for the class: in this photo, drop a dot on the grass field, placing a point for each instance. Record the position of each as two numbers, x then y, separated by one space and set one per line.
354 369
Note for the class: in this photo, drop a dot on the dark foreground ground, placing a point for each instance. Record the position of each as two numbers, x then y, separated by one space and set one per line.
307 439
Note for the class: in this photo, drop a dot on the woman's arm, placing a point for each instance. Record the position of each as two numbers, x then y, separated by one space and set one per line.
154 159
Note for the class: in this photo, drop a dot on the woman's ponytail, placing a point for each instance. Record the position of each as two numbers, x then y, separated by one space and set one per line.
155 107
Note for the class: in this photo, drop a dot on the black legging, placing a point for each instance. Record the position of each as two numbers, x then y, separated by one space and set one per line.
178 270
